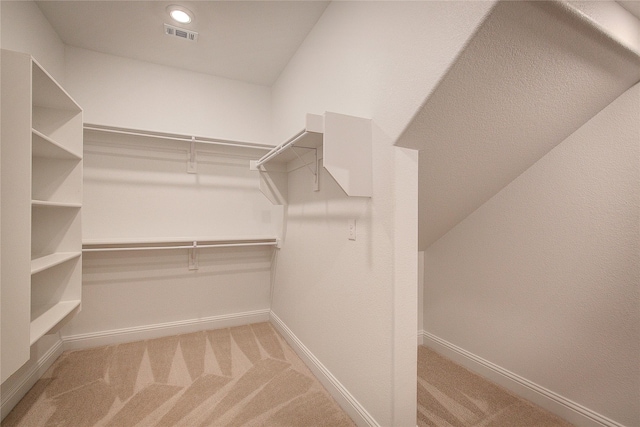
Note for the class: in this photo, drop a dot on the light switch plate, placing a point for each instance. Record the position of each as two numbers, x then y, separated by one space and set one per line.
352 229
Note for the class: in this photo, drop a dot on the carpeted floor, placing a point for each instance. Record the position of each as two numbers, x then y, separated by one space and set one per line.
241 376
451 396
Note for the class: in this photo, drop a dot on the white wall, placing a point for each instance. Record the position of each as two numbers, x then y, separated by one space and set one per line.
25 29
123 92
542 280
137 188
353 304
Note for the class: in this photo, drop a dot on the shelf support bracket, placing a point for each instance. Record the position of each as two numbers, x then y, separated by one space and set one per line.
192 164
316 180
193 257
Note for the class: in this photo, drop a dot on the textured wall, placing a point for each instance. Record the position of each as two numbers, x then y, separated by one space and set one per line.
532 74
353 304
542 280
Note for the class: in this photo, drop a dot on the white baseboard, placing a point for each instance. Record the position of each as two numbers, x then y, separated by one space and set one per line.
339 392
21 382
139 333
543 397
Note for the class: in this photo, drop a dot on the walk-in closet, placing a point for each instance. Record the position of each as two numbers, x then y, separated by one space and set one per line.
299 213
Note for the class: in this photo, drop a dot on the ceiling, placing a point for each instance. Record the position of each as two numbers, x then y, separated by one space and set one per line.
251 41
533 74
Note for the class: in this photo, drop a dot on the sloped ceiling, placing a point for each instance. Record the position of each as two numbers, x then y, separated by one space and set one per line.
532 75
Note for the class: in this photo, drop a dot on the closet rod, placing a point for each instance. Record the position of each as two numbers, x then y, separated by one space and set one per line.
280 148
176 137
113 248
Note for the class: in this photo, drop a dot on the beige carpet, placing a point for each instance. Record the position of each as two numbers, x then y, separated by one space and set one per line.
451 396
241 376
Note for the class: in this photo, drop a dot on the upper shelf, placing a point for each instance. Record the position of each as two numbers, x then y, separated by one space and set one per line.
48 93
346 155
308 138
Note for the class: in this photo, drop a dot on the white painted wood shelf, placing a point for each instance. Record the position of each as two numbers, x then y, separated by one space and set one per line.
192 245
45 316
45 262
346 154
147 140
49 204
41 219
43 146
175 243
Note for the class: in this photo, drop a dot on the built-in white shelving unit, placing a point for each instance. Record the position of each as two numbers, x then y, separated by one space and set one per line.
346 154
41 209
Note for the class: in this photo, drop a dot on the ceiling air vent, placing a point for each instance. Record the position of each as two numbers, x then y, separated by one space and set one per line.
172 31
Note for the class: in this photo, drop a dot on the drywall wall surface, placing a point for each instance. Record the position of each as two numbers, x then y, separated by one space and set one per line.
139 188
542 280
132 294
25 29
373 59
122 92
533 74
353 303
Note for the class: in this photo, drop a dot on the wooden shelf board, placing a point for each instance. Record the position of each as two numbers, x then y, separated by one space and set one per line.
48 93
43 146
48 261
187 240
48 317
46 203
142 244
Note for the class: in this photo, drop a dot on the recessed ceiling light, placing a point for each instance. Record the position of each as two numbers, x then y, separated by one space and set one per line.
180 14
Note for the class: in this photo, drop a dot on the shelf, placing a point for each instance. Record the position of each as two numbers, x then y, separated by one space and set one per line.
48 93
44 203
46 318
192 245
175 243
48 261
346 154
43 146
42 172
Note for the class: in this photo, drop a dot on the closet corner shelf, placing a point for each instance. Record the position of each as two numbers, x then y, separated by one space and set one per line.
346 143
43 146
50 315
42 263
308 138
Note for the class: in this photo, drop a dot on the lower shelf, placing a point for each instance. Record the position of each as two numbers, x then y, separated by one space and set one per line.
46 318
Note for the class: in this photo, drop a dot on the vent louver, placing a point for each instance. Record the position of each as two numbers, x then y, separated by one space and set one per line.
170 30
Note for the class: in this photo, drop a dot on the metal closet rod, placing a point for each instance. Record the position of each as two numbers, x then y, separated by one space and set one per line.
177 137
280 148
195 245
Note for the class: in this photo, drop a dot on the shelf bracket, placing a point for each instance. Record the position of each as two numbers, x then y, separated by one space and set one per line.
192 164
193 257
316 175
